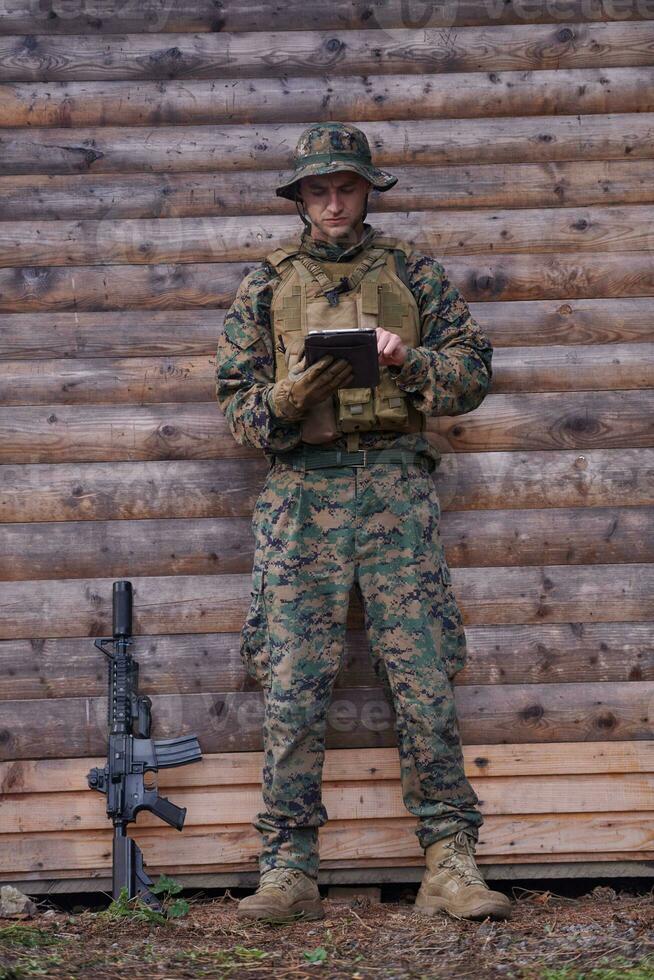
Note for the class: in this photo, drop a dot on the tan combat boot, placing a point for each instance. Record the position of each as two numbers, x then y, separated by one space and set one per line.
453 883
283 895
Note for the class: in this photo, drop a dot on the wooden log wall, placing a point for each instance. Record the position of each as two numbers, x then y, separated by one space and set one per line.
139 150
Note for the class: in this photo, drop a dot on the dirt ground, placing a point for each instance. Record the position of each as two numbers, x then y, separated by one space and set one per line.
604 934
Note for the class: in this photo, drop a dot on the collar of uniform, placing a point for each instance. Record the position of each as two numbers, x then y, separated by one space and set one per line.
336 253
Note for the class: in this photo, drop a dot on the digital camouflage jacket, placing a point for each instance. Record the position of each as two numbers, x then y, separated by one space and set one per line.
448 374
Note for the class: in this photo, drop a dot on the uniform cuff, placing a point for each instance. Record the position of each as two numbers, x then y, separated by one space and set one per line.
413 374
279 420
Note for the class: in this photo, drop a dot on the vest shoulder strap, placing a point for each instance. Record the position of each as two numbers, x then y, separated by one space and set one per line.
383 241
400 250
281 254
400 267
390 243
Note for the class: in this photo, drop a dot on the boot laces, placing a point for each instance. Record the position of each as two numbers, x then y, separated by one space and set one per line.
282 878
461 859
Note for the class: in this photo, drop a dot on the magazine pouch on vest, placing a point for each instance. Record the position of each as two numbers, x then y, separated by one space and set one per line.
363 293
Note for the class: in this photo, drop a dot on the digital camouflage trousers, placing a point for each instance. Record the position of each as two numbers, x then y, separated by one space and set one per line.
317 534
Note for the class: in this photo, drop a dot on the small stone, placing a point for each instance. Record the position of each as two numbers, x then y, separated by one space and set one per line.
355 894
14 904
604 893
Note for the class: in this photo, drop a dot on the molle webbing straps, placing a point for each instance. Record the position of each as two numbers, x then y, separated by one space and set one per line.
345 284
314 270
372 261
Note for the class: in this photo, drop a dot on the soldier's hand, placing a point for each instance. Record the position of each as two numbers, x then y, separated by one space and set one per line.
292 397
390 348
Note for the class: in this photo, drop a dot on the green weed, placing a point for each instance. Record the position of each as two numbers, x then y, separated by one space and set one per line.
642 971
18 941
26 937
137 910
317 955
226 958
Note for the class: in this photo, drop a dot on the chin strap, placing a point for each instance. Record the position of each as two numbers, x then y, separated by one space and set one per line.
299 207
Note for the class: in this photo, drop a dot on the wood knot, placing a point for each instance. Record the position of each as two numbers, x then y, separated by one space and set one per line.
533 712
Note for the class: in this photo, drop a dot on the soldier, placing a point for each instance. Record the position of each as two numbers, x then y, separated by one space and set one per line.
349 501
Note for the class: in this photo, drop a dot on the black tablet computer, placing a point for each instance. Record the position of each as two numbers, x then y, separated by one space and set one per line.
359 347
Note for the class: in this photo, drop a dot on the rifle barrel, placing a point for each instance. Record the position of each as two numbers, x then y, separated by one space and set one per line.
122 610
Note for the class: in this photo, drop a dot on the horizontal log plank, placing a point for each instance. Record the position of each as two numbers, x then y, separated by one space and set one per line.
191 488
501 422
369 98
214 546
152 380
617 863
191 663
506 835
152 195
182 333
378 839
31 17
623 863
148 333
348 765
488 48
35 813
146 380
210 603
574 368
43 289
357 718
63 433
171 547
240 239
553 323
550 420
219 876
171 149
229 488
552 275
559 536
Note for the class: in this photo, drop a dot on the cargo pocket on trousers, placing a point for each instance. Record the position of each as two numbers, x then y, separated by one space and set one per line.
255 637
453 637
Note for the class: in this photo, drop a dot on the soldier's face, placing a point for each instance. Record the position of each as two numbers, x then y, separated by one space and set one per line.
334 205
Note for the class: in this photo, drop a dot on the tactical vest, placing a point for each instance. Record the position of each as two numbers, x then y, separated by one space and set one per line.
366 292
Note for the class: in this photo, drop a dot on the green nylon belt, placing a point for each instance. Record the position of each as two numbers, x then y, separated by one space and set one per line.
313 459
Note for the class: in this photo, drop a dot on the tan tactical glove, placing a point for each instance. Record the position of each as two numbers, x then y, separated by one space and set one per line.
292 397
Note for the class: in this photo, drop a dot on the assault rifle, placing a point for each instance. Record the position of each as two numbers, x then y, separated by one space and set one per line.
130 756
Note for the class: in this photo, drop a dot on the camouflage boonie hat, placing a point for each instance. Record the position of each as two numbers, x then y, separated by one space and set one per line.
327 148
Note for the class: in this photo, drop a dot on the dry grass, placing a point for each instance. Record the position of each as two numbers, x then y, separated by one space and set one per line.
603 936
